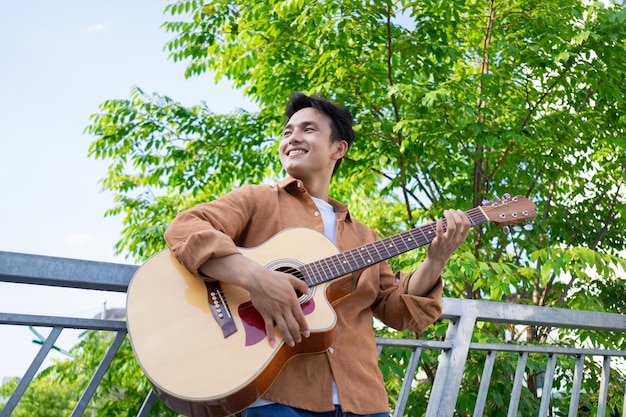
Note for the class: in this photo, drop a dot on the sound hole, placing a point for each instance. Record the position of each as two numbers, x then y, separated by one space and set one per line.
292 271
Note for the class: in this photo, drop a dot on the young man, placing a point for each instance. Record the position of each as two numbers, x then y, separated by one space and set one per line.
344 380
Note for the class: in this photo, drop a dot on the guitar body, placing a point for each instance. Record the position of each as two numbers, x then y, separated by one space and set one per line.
182 349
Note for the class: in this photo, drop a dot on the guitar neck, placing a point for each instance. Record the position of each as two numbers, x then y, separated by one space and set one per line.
361 257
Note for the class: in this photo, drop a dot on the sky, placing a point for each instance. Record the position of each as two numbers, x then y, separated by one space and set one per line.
58 61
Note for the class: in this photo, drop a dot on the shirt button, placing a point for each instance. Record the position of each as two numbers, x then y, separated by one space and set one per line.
316 214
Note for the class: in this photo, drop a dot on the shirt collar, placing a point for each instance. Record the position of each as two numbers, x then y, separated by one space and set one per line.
293 184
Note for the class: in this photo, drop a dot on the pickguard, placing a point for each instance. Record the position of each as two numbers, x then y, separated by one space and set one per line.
253 323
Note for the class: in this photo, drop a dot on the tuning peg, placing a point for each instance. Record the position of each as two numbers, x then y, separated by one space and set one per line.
506 196
527 226
485 201
506 229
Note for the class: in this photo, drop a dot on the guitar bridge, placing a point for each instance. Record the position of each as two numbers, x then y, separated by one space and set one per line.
219 308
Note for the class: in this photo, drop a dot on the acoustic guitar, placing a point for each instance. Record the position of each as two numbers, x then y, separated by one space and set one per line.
202 344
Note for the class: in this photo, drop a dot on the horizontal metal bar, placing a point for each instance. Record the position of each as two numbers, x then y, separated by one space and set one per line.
500 312
546 349
413 343
499 347
77 273
66 322
64 272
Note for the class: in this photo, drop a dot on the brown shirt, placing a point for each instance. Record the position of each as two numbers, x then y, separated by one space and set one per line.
250 215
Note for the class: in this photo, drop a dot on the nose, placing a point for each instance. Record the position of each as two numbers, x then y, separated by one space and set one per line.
294 137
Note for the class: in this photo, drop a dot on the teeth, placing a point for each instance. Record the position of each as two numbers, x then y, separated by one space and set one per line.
296 152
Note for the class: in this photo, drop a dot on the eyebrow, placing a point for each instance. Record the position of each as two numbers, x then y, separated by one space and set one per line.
303 123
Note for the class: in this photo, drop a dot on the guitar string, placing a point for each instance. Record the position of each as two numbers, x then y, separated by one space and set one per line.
397 242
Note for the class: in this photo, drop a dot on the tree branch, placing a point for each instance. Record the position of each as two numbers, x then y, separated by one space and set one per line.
396 111
611 216
479 163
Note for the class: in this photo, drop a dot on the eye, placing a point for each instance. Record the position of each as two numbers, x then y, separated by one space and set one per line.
286 133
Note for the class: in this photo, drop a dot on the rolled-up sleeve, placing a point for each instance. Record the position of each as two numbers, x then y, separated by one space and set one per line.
209 230
400 310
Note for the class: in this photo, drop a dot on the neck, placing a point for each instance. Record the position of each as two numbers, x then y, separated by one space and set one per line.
317 187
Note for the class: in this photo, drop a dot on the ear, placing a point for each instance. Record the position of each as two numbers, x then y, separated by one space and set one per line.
341 148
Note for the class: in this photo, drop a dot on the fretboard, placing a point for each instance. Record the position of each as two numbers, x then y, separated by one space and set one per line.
361 257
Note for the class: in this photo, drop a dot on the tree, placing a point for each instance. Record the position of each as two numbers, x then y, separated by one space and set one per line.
55 391
42 394
453 103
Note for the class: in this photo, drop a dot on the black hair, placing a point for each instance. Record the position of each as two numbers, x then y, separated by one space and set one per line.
341 119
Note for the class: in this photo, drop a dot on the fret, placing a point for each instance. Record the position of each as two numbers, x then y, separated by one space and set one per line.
359 250
354 260
470 215
320 272
432 231
404 241
327 269
421 229
344 263
417 238
477 216
387 243
379 257
334 261
309 271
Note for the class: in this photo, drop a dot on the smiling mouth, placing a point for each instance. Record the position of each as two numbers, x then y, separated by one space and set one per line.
296 152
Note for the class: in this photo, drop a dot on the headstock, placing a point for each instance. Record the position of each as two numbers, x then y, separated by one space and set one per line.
509 210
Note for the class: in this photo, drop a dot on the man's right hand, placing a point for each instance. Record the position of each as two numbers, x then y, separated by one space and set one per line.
272 293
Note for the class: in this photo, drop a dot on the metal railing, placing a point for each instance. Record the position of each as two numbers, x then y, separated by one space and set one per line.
462 317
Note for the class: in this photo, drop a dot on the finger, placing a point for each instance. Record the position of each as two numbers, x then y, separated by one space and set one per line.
300 323
299 285
451 220
303 326
439 227
269 330
294 325
460 221
465 221
286 331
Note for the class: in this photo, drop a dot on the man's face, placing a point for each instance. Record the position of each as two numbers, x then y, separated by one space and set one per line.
306 150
